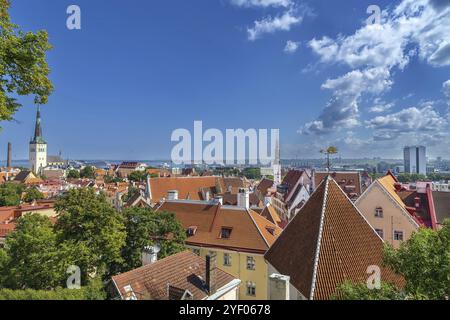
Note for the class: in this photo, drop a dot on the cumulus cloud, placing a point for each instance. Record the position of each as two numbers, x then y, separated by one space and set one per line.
408 120
381 106
446 88
414 28
291 46
342 111
262 3
283 22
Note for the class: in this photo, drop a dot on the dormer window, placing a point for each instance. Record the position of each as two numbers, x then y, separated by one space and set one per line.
191 231
129 293
379 212
271 230
225 233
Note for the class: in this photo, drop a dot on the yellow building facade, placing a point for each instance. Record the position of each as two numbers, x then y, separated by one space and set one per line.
254 281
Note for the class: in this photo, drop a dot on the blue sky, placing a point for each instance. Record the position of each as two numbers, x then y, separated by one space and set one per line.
138 70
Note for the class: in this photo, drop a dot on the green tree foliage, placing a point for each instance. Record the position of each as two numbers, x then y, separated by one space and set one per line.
137 176
109 179
360 291
89 220
144 227
93 291
32 194
424 262
32 255
407 177
131 192
252 173
87 172
439 176
23 66
11 194
73 174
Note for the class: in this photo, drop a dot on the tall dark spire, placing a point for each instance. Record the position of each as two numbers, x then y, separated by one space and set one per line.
38 138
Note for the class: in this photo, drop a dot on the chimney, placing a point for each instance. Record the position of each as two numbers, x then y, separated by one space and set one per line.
267 200
150 254
172 195
9 160
398 186
279 287
243 198
211 273
417 202
218 200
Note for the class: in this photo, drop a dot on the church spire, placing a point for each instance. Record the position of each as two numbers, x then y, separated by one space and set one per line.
276 165
38 138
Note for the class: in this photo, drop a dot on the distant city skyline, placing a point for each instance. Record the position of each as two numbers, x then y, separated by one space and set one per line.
314 69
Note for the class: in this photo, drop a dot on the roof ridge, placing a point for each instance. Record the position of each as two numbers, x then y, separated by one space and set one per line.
257 227
319 238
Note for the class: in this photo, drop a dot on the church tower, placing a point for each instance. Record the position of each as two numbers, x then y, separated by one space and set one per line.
276 165
38 147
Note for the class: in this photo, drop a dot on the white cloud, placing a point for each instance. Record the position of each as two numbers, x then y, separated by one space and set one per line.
381 106
342 111
262 3
291 46
446 88
415 28
408 120
270 24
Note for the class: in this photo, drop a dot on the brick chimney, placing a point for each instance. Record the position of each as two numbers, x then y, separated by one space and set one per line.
9 160
211 273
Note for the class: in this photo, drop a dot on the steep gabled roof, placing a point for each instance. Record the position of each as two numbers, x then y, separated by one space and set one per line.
185 271
442 206
327 243
250 232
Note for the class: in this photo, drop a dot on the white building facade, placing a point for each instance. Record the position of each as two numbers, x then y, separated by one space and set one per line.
38 148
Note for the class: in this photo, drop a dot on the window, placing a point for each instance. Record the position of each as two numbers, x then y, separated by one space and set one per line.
129 293
196 251
251 265
191 231
251 289
227 260
225 233
398 235
271 230
379 212
380 233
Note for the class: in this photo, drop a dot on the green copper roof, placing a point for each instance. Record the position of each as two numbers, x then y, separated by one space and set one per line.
38 138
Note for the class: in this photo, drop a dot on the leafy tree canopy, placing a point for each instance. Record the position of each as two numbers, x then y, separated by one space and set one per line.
87 172
88 219
11 194
143 226
73 174
424 262
32 194
23 66
137 176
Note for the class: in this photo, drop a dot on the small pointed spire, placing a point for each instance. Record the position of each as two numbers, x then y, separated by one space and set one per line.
38 138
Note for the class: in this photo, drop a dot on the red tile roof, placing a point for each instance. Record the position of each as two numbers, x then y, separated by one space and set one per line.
249 230
327 243
182 271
